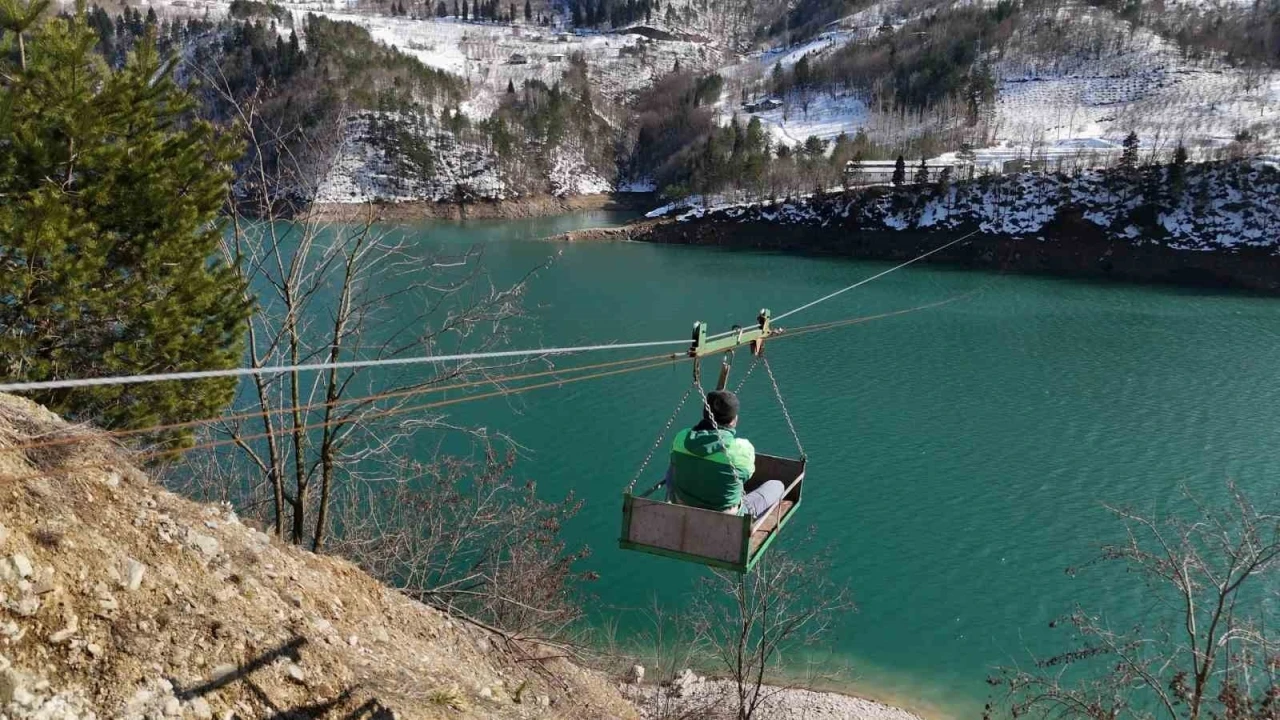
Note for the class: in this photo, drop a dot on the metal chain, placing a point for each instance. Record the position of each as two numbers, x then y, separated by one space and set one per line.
782 404
662 435
755 360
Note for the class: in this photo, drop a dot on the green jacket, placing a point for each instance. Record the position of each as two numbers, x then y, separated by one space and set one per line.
706 473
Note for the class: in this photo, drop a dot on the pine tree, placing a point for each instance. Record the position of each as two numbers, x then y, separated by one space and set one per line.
922 172
457 9
17 18
802 73
464 9
111 243
853 170
1178 171
967 156
944 177
511 88
1129 156
528 11
441 9
900 171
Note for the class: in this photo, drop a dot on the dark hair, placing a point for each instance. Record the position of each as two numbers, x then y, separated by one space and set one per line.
723 405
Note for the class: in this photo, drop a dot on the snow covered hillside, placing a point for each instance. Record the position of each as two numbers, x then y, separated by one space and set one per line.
1216 206
372 164
1102 80
490 56
1070 85
388 157
1067 84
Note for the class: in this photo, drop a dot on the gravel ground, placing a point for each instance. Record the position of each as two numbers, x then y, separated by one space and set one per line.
706 699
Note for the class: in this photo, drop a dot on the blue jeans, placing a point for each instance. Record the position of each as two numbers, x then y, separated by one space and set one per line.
762 499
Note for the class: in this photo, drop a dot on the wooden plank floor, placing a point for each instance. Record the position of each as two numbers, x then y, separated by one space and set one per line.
759 536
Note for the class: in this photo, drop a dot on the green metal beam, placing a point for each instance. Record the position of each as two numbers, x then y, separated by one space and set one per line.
701 347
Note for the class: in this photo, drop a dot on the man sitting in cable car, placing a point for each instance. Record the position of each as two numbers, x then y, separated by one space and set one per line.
710 463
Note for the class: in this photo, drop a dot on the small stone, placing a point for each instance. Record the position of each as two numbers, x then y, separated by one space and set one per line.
296 674
73 626
200 708
21 565
172 707
4 534
10 684
27 606
133 572
380 635
223 671
94 649
353 641
486 693
636 676
40 487
207 546
23 697
544 701
483 645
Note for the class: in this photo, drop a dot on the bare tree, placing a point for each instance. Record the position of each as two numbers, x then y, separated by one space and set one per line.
749 623
461 533
334 291
1204 648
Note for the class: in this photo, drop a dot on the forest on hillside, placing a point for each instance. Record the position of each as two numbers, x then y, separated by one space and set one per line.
927 76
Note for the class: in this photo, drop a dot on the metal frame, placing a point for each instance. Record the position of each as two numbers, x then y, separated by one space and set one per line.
699 348
702 347
746 559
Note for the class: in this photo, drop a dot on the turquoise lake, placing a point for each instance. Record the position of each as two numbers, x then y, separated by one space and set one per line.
959 456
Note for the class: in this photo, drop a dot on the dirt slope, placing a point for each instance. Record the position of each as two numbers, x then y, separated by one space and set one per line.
121 600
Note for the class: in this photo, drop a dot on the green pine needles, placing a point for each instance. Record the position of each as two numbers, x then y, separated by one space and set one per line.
110 192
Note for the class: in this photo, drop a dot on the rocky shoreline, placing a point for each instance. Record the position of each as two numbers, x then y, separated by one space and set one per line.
1070 248
689 695
511 209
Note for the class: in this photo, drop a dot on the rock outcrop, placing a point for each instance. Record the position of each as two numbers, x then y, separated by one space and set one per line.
119 600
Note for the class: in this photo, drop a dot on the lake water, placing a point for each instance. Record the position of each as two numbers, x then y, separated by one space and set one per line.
959 456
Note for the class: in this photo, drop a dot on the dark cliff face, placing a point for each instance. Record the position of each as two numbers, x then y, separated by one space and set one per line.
1210 226
1068 248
